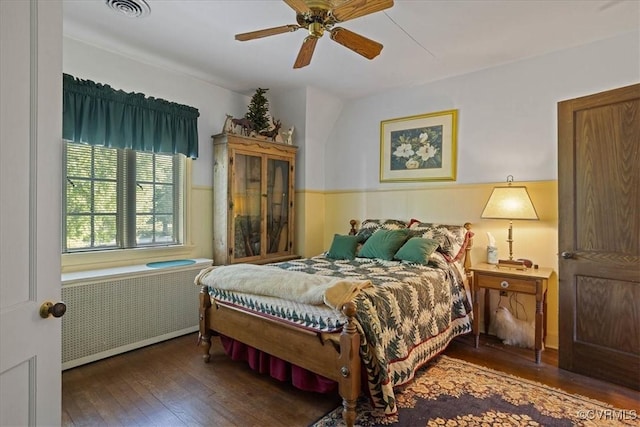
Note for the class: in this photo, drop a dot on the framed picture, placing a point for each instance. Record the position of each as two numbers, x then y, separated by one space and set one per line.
419 148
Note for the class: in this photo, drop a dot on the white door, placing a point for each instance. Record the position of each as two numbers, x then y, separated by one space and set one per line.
30 186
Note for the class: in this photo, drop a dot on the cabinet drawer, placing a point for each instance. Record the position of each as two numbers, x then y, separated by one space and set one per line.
506 283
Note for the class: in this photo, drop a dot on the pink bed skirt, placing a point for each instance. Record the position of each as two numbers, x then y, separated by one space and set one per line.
264 363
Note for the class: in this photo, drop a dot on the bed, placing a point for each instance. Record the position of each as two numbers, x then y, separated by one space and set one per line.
367 320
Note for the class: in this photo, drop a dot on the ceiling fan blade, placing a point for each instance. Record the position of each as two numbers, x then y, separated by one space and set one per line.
356 8
298 5
357 43
306 52
243 37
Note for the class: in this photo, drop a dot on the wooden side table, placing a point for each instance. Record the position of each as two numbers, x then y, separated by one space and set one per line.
530 281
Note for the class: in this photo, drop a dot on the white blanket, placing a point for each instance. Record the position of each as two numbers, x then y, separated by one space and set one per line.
276 282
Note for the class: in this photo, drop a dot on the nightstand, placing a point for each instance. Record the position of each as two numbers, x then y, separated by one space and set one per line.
532 281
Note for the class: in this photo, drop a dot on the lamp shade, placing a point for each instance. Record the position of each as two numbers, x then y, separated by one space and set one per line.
510 202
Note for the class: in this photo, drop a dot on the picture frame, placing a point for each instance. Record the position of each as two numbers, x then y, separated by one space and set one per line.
419 148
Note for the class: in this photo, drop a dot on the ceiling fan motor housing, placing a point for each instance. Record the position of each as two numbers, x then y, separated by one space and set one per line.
316 29
315 21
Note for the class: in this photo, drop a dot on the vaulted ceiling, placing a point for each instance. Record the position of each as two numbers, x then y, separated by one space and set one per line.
423 40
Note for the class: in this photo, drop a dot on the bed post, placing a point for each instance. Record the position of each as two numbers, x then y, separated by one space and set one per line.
467 253
349 362
204 335
352 230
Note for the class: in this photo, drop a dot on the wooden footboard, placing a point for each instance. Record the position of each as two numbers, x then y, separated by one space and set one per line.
318 353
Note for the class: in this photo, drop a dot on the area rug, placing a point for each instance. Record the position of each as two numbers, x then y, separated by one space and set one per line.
451 392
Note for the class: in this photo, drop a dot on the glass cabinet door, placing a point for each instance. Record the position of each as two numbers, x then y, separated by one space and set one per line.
246 205
277 205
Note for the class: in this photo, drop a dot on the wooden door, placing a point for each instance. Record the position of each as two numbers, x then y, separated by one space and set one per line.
30 186
599 234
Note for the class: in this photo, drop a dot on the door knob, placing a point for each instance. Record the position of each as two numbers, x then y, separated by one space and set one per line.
567 255
50 309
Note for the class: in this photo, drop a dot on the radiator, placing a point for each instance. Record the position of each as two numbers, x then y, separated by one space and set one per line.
116 310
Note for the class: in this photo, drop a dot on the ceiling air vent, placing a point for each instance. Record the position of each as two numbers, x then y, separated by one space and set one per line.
130 8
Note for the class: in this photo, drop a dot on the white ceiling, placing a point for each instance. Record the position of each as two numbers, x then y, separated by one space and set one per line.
424 40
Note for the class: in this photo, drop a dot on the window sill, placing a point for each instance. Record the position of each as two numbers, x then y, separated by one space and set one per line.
120 258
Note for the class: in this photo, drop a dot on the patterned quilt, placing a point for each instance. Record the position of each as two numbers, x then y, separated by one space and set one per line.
409 316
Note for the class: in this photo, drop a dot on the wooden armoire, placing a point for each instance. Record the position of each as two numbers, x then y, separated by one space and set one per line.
253 200
599 235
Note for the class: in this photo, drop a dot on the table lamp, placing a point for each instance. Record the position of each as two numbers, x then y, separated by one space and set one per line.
510 202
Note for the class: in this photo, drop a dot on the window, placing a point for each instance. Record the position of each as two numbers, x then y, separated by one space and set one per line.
119 198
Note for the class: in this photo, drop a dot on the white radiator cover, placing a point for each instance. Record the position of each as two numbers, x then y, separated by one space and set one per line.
116 310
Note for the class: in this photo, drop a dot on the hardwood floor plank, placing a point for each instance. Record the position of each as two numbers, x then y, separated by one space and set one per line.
138 412
151 406
168 384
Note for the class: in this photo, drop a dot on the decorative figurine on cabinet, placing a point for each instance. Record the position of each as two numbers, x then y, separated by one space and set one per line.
273 132
287 136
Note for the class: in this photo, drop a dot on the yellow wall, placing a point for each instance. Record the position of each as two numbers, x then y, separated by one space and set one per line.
310 218
201 231
444 203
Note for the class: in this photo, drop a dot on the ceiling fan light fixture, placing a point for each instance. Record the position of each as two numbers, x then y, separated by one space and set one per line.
316 29
129 8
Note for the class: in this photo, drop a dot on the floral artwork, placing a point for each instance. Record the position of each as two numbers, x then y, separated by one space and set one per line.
419 148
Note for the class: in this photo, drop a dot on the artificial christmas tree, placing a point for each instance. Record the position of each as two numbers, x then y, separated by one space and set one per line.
258 112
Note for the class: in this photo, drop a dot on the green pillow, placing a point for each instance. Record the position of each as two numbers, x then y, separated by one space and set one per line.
383 244
343 247
417 249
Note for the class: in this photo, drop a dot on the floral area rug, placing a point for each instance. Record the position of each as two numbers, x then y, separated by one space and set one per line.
451 392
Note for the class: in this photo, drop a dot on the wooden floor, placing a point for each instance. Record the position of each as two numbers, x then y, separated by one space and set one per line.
167 384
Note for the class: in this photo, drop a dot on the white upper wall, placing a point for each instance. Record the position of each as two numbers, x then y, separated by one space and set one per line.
291 108
507 121
322 112
313 113
89 62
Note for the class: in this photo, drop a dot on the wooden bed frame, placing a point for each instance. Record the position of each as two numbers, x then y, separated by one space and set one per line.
332 355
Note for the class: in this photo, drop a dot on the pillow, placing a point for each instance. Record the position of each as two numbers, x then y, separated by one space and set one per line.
369 226
343 247
417 249
453 239
383 244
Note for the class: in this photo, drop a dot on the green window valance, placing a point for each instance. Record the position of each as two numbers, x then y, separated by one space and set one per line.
97 114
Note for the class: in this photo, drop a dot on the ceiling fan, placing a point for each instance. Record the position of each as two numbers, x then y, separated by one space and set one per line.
318 16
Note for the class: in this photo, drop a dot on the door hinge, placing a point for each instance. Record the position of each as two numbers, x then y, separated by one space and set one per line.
230 251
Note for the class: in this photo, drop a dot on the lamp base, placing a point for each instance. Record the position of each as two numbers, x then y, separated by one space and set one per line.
515 264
